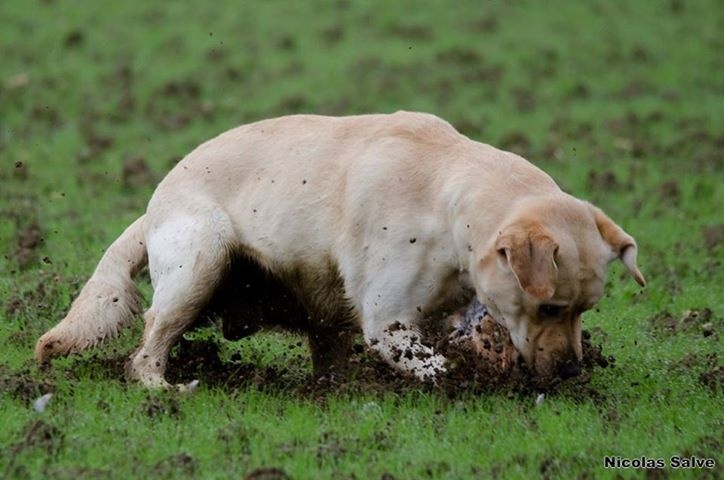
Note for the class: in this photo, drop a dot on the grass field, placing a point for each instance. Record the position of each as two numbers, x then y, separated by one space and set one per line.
621 102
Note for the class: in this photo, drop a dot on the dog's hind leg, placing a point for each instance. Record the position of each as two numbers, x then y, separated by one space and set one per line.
188 255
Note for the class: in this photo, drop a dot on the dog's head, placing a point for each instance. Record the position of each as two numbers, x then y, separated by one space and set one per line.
546 267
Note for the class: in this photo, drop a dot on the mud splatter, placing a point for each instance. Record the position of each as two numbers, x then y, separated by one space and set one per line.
136 172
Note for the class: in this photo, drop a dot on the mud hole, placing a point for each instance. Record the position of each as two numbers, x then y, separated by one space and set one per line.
367 373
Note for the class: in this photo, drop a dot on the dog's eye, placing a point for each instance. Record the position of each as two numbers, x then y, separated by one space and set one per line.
550 311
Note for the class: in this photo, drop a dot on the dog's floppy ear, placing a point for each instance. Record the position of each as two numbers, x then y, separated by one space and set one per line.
530 253
622 244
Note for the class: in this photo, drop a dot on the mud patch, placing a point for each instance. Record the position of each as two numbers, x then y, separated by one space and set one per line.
96 143
178 103
267 473
713 379
73 39
37 300
469 372
182 463
161 404
525 100
29 239
22 386
36 434
332 35
706 368
670 193
602 181
39 434
367 374
410 31
693 320
136 173
713 235
485 24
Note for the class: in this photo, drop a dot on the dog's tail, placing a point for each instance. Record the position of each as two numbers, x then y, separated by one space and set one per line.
107 302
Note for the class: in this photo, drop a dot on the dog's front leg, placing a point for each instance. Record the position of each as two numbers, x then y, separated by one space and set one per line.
392 292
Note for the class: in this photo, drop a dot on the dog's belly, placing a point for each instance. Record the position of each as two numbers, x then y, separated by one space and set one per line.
250 298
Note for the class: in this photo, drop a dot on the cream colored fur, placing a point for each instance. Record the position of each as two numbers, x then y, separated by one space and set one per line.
407 211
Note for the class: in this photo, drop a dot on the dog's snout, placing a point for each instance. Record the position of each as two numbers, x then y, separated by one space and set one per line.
570 369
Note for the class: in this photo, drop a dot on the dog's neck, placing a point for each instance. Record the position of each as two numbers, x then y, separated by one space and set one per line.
486 196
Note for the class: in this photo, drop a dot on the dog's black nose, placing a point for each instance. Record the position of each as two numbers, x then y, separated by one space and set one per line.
570 369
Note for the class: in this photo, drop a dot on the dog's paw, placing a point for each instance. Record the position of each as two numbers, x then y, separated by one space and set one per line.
431 368
149 378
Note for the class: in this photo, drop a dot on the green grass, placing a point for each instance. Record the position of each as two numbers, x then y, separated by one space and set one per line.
621 102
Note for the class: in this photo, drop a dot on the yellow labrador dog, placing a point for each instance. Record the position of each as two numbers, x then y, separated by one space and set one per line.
377 219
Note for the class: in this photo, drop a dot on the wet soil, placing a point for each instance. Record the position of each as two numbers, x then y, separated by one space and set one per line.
697 320
136 172
36 434
22 385
181 463
29 238
467 374
713 236
267 474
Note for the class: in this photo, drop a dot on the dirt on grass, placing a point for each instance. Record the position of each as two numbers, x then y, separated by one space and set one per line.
466 374
136 172
201 359
36 434
267 473
693 320
181 463
713 236
22 385
29 239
